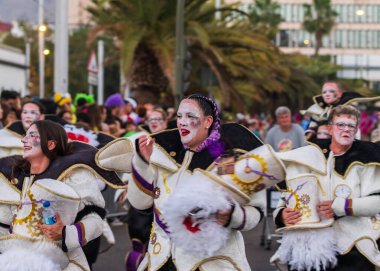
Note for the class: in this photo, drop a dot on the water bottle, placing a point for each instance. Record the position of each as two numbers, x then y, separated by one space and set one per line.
48 214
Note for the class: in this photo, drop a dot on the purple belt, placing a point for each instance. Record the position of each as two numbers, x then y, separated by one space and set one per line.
159 221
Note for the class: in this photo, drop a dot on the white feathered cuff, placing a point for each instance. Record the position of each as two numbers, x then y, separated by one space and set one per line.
192 223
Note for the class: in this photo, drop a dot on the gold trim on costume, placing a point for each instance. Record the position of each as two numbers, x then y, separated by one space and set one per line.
30 239
9 183
55 193
12 132
224 184
167 189
142 188
158 250
347 171
107 145
215 258
93 171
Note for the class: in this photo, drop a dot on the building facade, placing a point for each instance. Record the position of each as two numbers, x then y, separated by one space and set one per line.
13 70
354 41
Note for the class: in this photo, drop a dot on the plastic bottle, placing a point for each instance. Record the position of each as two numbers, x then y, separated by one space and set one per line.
48 214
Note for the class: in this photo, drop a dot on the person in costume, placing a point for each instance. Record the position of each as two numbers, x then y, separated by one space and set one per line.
166 162
329 210
12 134
65 174
331 96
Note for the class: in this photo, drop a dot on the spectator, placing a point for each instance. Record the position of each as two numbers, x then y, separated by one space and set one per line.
12 99
285 135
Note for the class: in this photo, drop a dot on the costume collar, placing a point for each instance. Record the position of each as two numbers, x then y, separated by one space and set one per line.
16 128
347 98
82 156
169 152
361 152
311 156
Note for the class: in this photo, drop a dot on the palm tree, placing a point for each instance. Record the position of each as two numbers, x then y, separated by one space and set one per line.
319 20
265 16
144 33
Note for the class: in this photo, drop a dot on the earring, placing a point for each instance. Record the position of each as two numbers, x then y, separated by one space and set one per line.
207 127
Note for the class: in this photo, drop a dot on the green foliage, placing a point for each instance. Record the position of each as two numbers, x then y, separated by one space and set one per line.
319 20
265 17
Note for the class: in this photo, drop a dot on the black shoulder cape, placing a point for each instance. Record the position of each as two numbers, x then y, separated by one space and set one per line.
233 136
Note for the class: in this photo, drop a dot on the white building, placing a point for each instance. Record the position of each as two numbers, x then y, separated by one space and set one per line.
13 70
354 42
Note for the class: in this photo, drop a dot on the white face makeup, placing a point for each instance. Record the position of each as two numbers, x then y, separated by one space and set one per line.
191 123
32 143
331 93
29 114
156 122
343 130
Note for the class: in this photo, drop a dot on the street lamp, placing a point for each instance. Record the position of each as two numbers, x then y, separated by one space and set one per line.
42 28
41 44
46 52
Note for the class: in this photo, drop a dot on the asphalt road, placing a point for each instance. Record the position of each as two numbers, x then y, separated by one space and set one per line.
258 256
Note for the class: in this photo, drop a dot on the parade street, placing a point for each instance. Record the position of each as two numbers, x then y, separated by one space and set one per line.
113 259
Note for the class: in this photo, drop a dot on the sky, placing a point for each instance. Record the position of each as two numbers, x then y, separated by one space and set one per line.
11 10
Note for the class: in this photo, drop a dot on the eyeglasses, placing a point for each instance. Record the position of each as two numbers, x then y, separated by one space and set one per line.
342 126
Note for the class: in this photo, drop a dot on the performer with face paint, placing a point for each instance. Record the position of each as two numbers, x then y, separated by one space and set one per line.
11 135
339 231
332 95
66 175
166 162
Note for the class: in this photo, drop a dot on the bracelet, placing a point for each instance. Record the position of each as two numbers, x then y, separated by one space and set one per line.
348 207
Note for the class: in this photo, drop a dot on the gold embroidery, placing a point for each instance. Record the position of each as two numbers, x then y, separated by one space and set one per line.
33 219
247 186
167 189
156 248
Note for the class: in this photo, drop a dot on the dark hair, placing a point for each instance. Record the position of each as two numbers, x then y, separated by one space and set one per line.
212 142
95 119
9 94
209 108
49 130
40 106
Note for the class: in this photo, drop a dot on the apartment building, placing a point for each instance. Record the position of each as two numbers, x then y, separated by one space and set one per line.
354 42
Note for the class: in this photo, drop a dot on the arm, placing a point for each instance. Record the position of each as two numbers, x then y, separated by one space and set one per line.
140 188
368 204
246 217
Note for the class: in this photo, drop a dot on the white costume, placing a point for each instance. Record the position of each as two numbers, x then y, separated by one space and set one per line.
352 181
72 185
171 167
10 143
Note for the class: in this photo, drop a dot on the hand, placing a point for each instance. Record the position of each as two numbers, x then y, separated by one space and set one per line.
222 217
54 231
290 216
324 209
146 147
122 198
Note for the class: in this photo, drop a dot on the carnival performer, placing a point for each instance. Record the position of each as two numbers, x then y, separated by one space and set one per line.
67 172
333 226
10 143
140 221
331 96
167 160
